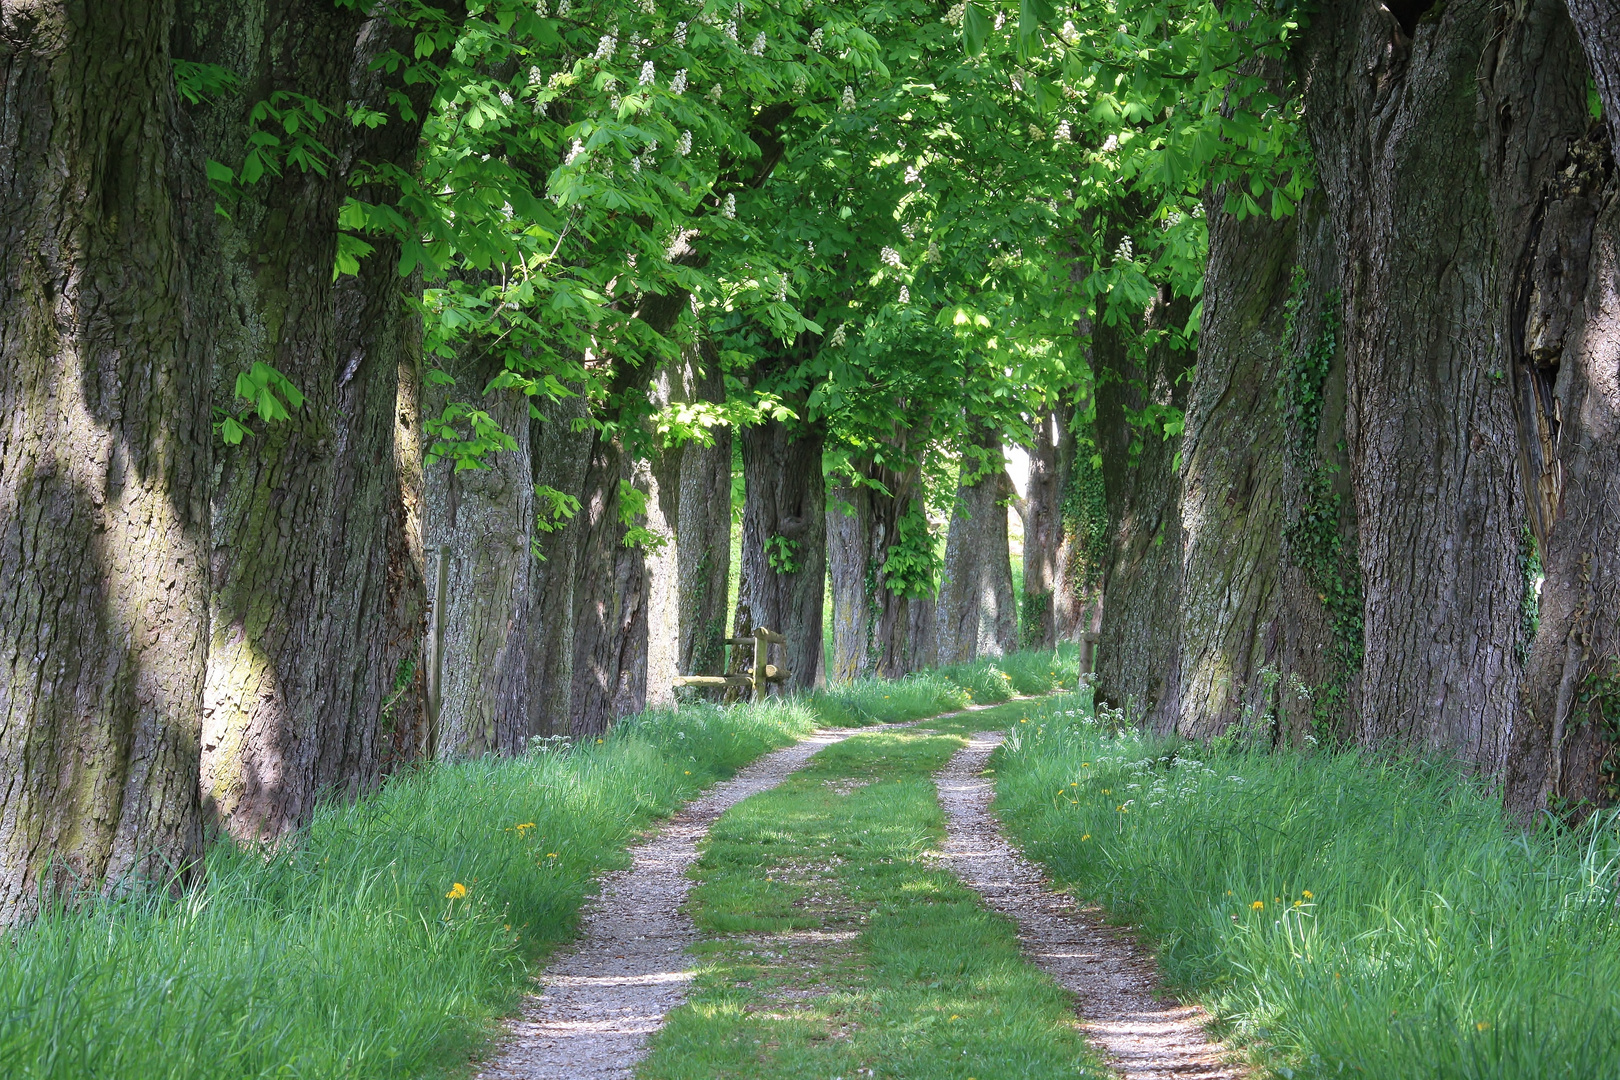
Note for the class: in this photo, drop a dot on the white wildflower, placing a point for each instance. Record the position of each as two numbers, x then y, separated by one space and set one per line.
816 39
891 257
613 103
729 210
1064 132
837 337
647 73
677 85
680 36
1001 17
605 48
758 48
1172 219
848 100
536 77
683 146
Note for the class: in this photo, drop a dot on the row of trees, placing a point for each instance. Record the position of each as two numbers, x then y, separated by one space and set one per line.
378 381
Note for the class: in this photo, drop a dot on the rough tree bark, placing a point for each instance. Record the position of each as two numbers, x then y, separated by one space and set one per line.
703 530
104 458
560 442
1231 476
1138 647
1042 513
976 612
1557 206
874 629
784 542
300 620
480 523
1390 98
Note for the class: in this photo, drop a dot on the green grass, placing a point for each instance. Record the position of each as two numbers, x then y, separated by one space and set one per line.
837 948
1343 915
340 955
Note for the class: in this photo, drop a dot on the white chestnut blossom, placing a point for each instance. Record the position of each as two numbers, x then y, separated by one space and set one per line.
758 48
954 15
677 85
1069 34
837 337
1064 132
848 100
648 7
506 99
905 295
647 74
564 7
714 95
1110 144
781 291
680 36
1126 250
729 209
605 48
575 153
683 145
799 85
540 8
731 29
912 176
816 39
891 257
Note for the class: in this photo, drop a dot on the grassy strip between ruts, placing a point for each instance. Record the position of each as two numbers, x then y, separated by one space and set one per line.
839 947
390 935
1343 915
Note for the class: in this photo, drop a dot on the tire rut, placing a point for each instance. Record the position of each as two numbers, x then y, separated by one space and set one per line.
1144 1035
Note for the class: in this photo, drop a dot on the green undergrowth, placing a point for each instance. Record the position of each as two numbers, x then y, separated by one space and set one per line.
352 952
1342 915
836 946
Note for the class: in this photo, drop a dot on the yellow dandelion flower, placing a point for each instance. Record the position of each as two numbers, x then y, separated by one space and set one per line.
1298 902
1086 837
1276 899
457 891
551 854
688 772
1481 1026
1307 894
1123 810
598 740
1257 905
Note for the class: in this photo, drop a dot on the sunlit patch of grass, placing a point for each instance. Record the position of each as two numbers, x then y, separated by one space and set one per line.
933 985
1341 913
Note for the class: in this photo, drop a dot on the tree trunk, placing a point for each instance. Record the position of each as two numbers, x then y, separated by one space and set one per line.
1043 533
1430 430
703 529
480 522
873 625
784 542
301 630
976 613
1557 205
1231 478
849 525
1077 595
103 464
1597 24
1138 647
610 600
560 455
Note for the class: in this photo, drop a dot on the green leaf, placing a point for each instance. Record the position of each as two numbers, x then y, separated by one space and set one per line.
976 28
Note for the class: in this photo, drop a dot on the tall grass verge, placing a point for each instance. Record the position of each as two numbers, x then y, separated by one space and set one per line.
1342 914
384 940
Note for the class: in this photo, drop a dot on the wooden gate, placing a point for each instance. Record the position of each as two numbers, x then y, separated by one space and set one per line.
762 674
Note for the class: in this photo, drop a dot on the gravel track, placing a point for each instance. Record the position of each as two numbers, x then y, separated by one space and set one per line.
602 1001
1144 1035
